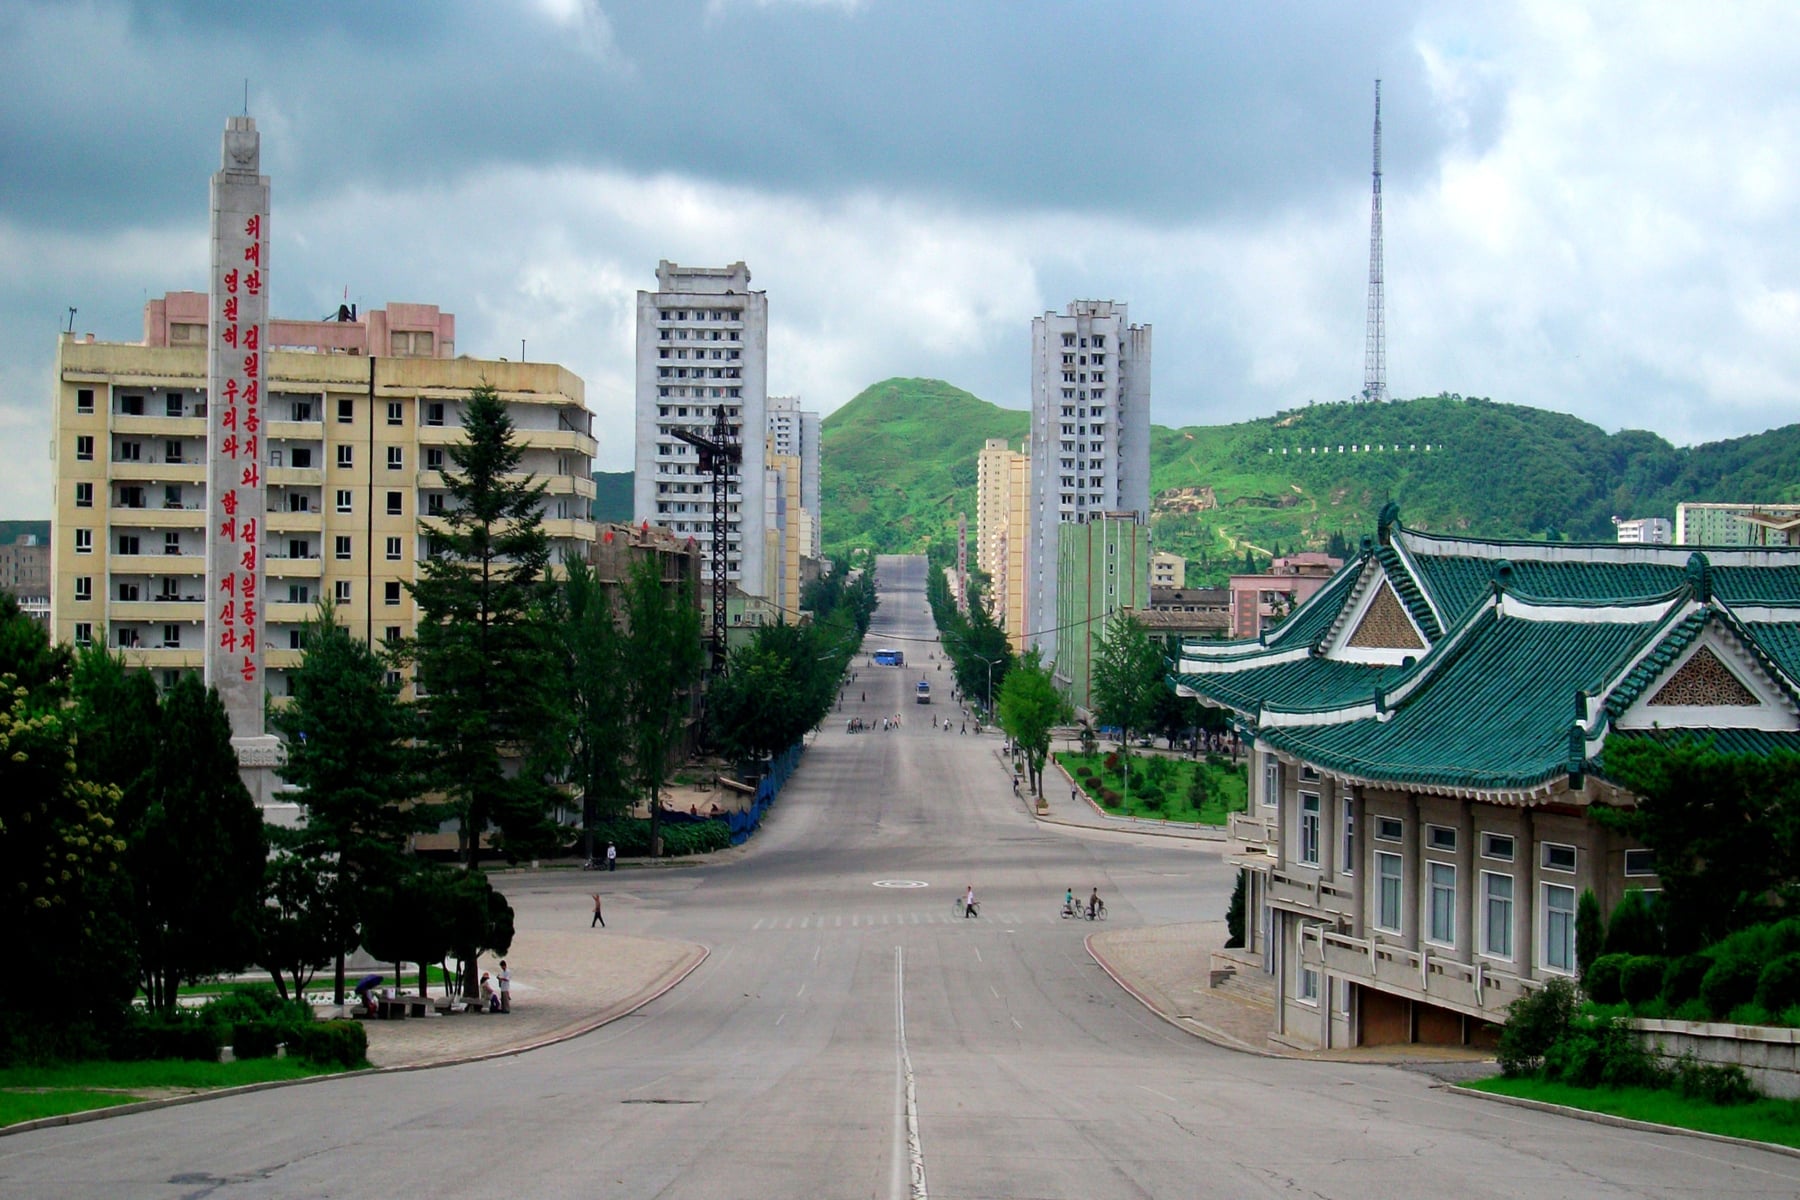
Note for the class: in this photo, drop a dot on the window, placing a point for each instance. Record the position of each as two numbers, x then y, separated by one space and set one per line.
172 495
394 504
393 549
299 502
434 413
84 634
1439 837
1440 922
394 414
340 591
390 592
84 587
131 451
1640 862
1389 869
1348 863
396 458
299 548
1389 829
84 448
392 635
128 593
434 504
172 405
128 543
1309 986
84 495
346 411
299 593
1497 846
171 542
346 456
302 457
1558 857
434 459
131 406
340 547
1496 914
1271 782
1559 927
171 637
1309 829
293 639
343 500
84 400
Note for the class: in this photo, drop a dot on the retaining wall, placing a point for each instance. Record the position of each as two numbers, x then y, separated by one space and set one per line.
1771 1057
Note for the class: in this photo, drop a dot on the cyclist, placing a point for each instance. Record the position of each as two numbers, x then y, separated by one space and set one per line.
1069 908
1095 905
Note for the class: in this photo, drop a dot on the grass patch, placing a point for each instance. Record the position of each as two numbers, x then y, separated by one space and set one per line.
27 1093
1162 788
1776 1121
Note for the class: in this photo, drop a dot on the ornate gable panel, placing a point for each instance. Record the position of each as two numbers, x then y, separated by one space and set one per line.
1385 625
1704 681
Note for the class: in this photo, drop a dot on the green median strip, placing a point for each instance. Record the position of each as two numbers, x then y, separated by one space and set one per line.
1776 1121
30 1093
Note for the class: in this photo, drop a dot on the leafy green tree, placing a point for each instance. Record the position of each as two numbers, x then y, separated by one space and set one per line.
351 756
196 852
1234 915
28 655
118 719
1030 708
1590 931
303 924
485 656
770 694
592 650
661 662
1129 679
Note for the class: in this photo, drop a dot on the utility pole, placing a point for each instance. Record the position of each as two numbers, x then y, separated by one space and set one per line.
719 458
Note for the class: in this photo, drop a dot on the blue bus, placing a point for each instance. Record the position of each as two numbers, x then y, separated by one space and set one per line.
889 658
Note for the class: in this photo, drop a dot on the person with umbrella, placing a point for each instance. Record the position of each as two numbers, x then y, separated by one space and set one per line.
365 988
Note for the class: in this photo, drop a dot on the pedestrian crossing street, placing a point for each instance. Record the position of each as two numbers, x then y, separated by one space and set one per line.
772 924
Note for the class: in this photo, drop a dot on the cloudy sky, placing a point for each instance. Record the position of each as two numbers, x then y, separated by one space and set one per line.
1590 207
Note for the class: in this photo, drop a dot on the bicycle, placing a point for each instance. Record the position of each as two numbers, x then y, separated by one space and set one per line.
1097 912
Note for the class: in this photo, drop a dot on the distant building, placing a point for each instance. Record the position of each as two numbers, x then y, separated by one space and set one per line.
1167 570
1179 614
1261 601
1656 531
1002 532
1737 525
1103 567
25 575
1090 438
793 431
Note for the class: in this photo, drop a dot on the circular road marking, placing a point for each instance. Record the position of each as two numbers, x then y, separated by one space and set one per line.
901 883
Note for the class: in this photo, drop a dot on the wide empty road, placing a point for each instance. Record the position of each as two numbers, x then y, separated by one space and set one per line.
839 975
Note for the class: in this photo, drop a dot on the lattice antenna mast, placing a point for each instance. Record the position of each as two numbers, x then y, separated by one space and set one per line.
1375 349
720 456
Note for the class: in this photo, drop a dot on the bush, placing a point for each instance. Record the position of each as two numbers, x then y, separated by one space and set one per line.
1728 983
1111 761
695 837
167 1036
255 1039
1716 1084
252 1005
1084 772
1640 978
1681 979
1234 916
1602 978
1601 1052
331 1043
1590 932
1534 1023
1150 797
1778 986
1634 928
1109 797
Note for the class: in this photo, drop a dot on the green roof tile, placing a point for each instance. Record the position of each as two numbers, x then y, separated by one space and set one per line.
1300 683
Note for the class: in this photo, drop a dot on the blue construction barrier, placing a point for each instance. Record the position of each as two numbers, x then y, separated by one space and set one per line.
743 824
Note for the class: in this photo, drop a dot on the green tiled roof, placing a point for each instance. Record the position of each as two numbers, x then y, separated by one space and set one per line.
1654 663
1459 583
1496 715
1781 642
1300 683
1407 588
1312 620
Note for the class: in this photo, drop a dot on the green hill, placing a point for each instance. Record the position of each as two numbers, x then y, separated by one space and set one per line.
612 496
897 463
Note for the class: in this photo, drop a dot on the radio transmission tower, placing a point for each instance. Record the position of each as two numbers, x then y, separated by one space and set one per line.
1375 350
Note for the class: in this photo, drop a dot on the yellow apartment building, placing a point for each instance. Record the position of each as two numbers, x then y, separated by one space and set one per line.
1002 529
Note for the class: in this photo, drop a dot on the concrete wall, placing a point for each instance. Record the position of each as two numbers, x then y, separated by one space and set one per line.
1771 1057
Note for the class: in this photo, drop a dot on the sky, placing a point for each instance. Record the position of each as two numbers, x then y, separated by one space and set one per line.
1589 207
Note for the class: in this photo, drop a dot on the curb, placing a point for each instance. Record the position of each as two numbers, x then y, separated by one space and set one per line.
1599 1118
652 991
1187 1025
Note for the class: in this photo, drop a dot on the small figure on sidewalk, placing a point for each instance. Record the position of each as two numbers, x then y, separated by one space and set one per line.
506 987
488 994
965 727
612 857
598 918
1072 796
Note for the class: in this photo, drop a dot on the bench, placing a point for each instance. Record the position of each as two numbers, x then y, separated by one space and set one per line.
394 1008
468 1004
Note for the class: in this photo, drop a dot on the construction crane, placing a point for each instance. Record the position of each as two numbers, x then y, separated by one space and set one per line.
719 458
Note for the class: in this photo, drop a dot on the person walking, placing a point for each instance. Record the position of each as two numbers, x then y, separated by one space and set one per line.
969 902
612 857
598 918
506 986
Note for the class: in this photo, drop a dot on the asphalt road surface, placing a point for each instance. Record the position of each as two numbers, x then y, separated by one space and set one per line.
851 1036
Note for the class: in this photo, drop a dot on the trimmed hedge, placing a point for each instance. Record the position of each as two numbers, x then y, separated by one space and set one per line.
1641 978
1729 983
1682 978
1778 985
1603 979
166 1036
331 1043
255 1039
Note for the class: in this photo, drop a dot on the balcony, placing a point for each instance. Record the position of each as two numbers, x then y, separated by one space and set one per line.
159 427
178 658
156 564
294 522
155 470
157 516
1303 893
189 606
1475 989
1255 837
559 529
294 476
282 567
295 431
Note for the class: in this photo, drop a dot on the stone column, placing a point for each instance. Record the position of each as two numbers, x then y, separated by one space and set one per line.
1525 876
1466 883
1411 874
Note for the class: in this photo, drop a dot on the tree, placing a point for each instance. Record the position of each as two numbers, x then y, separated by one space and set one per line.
1030 707
592 650
303 925
484 654
1129 678
662 660
352 760
28 655
1590 930
196 854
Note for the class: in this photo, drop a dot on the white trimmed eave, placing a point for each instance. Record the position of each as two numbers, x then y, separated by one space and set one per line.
1247 663
1350 618
1407 558
1553 789
1773 712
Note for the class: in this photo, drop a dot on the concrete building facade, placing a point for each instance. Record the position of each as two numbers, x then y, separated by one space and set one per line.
1259 602
1168 570
702 348
1655 531
1003 533
1103 567
25 575
1737 525
1090 437
796 432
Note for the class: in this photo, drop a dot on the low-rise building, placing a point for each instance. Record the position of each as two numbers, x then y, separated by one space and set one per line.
1259 602
1658 530
1737 524
25 574
1167 570
1429 734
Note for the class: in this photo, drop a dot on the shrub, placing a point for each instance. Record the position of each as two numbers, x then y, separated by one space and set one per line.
166 1036
1724 1084
1602 978
1084 772
1534 1023
1234 916
1681 979
255 1039
1590 931
1634 928
695 837
1150 797
331 1043
1691 1010
1111 761
1109 797
1640 978
1750 1013
1778 986
1601 1052
1728 983
250 1005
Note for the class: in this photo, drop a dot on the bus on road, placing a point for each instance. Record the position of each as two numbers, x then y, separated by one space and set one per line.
889 658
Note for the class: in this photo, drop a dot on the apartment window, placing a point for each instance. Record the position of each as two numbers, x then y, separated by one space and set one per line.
1271 772
434 504
396 458
392 635
293 639
1389 829
299 593
1389 869
1440 899
84 400
390 592
393 549
84 448
131 406
340 547
299 502
128 543
1309 829
131 497
346 456
302 457
1439 837
171 542
340 591
394 504
171 637
1559 927
1496 914
434 413
1640 862
1558 857
172 405
84 495
394 414
1347 864
343 500
346 410
172 495
84 587
434 459
1497 846
84 634
131 451
1309 986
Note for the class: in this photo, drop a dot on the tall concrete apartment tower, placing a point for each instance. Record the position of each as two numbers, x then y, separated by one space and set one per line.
1002 531
703 345
793 431
1090 437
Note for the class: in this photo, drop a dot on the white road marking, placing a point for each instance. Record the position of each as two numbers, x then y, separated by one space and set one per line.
991 989
906 1128
801 992
780 1019
977 950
